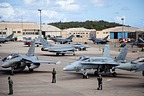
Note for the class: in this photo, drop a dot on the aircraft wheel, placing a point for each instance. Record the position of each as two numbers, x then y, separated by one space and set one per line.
84 48
114 74
143 73
57 54
74 54
30 70
63 54
96 73
37 45
85 77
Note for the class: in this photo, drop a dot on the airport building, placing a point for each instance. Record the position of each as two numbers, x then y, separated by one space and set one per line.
118 32
24 30
81 34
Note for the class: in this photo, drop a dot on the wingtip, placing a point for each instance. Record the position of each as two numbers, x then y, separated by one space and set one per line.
58 62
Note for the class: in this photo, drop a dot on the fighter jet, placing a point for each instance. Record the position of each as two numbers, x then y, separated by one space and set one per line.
139 42
6 39
18 62
99 41
135 65
80 46
62 40
58 49
102 64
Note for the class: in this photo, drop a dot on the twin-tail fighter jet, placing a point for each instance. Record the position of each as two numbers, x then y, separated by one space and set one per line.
139 42
58 49
99 41
104 64
62 40
18 62
135 65
6 39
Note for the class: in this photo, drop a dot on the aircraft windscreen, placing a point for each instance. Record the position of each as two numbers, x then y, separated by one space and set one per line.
82 58
11 56
139 59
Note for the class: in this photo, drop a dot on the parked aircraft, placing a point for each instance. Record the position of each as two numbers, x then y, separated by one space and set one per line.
135 65
139 43
58 49
80 46
103 64
6 39
99 41
18 62
62 40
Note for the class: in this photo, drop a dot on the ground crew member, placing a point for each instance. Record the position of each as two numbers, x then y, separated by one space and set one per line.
10 82
99 82
53 76
142 48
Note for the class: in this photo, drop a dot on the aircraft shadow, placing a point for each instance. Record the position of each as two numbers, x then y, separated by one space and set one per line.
8 72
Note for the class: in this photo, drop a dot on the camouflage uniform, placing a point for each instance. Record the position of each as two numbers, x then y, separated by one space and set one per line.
99 83
53 76
10 82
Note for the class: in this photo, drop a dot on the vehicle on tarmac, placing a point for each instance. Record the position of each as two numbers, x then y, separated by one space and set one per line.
104 64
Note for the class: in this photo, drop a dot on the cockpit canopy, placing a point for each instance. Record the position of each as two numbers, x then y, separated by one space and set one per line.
139 59
11 56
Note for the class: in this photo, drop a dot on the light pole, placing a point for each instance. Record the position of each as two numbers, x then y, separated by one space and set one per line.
40 22
122 27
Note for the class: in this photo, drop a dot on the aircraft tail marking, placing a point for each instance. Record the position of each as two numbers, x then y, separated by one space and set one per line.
122 54
106 51
106 37
10 36
70 37
31 49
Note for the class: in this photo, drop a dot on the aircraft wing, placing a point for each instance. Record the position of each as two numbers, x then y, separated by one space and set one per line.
97 40
60 49
106 51
99 63
141 68
46 62
38 61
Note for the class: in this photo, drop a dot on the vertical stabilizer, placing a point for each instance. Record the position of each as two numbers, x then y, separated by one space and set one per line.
106 51
45 43
70 37
106 37
31 49
122 54
10 36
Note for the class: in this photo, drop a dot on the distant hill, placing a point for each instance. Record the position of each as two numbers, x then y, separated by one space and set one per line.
98 25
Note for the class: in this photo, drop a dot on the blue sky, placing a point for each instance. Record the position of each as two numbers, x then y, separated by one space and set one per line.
74 10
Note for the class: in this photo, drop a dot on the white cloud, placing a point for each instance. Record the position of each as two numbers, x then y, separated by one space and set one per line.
119 19
6 11
50 14
67 4
98 3
36 3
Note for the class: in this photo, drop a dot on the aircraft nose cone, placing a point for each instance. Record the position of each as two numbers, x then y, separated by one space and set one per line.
68 68
5 65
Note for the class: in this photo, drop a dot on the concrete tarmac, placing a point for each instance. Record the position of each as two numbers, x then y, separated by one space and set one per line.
38 83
